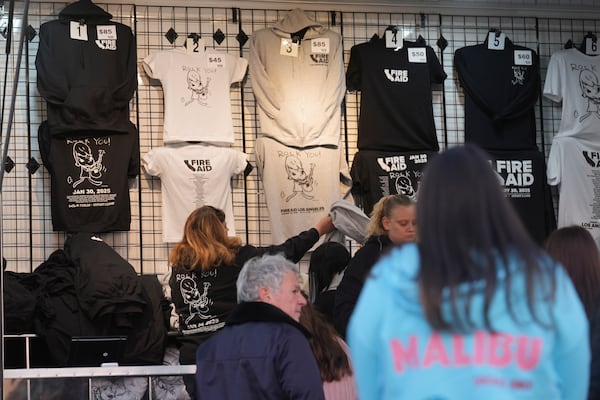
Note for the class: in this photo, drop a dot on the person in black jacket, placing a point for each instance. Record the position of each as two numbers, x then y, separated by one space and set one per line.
205 265
393 222
263 351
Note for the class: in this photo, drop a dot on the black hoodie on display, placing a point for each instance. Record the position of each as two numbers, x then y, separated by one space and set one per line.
86 70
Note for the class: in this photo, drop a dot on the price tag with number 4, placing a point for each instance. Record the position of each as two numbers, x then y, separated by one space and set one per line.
393 39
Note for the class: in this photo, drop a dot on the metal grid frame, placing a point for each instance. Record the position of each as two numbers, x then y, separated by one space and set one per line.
28 237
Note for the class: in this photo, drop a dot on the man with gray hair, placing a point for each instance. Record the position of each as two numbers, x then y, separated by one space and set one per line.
263 352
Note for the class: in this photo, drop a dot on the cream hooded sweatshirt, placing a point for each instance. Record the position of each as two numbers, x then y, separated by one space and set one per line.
299 97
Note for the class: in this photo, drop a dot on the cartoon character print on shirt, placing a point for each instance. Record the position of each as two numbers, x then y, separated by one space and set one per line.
197 302
302 181
518 75
590 90
405 186
197 86
90 168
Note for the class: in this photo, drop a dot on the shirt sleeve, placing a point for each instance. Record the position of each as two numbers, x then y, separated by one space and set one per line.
334 87
553 86
239 162
553 168
354 72
240 65
266 92
436 72
151 162
151 65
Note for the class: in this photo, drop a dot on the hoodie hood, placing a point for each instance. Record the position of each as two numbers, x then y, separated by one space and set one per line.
297 21
84 11
402 276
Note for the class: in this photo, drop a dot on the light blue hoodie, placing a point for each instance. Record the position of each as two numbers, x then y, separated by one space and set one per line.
397 355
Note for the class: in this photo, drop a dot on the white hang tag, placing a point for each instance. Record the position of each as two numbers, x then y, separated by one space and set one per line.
496 41
417 55
288 48
106 32
196 48
319 46
393 40
78 31
523 57
216 60
592 47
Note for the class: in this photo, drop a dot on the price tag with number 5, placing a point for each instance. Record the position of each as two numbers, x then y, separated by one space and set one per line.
591 47
523 57
496 40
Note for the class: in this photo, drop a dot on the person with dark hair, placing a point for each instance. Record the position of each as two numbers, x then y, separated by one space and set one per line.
575 248
332 355
325 271
393 222
263 352
205 265
475 309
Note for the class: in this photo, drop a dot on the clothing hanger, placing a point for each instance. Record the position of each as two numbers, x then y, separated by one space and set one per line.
569 44
85 8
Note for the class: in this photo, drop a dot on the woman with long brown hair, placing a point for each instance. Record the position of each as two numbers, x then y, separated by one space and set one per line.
332 355
205 266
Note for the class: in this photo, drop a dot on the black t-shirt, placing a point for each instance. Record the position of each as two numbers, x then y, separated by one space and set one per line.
396 110
379 173
501 88
524 181
89 174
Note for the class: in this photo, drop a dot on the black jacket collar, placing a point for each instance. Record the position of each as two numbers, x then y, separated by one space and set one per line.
258 311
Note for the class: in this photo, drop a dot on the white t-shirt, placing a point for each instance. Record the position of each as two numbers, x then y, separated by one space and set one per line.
573 78
300 184
193 175
196 93
574 165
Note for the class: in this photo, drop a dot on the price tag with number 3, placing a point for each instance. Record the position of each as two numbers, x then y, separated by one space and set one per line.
288 48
